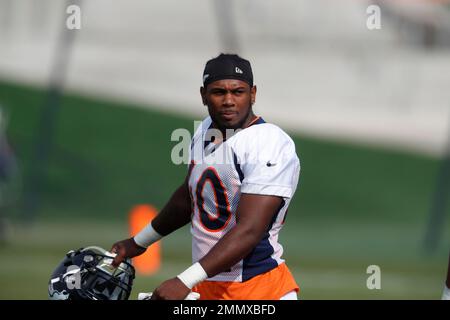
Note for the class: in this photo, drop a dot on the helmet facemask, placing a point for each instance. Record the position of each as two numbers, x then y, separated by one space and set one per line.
87 274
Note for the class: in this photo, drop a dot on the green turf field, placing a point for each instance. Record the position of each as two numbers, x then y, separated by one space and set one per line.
355 206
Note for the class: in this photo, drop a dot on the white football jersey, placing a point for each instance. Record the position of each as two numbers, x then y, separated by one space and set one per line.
260 159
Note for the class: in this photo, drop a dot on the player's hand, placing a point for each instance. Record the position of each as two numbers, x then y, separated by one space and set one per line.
125 249
172 289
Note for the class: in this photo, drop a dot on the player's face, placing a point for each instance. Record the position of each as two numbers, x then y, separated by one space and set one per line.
229 102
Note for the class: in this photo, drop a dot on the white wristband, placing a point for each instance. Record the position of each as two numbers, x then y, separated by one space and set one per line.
446 293
193 275
147 236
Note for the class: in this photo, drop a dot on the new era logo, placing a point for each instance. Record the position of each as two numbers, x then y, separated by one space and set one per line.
237 70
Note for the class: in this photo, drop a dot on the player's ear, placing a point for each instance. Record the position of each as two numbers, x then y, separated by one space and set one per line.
253 94
203 94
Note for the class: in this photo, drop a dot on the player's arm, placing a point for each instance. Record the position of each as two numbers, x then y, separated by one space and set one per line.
175 214
253 217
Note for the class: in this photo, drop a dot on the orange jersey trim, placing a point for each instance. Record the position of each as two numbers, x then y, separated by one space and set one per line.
253 121
271 285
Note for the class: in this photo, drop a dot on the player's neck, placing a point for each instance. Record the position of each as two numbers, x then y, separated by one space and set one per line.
251 119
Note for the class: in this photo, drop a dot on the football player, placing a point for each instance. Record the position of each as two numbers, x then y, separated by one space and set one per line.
242 176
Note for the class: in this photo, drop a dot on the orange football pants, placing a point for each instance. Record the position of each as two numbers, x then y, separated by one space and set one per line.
271 285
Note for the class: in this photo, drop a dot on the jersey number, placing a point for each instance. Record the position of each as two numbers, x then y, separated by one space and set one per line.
223 212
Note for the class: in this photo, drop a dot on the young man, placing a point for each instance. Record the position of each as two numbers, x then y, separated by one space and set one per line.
242 176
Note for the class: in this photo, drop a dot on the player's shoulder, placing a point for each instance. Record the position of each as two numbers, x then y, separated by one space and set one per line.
265 134
263 139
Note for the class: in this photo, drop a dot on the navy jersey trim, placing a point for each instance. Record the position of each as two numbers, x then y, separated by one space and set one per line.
238 167
259 260
259 121
206 143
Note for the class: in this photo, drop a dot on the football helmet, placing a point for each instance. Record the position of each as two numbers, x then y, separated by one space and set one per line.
87 274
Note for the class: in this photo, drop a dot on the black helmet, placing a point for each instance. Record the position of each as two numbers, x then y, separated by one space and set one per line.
87 274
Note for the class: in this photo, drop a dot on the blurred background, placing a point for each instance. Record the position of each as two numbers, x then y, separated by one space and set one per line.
86 117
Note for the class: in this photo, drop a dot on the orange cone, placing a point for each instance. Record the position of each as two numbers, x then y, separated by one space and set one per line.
149 262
